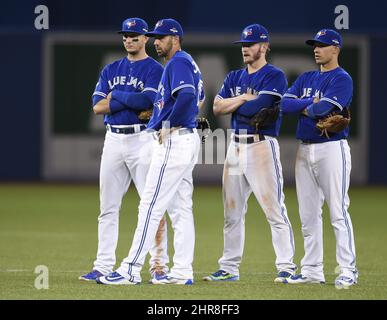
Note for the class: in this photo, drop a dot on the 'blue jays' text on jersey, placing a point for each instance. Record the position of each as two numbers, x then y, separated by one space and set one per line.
180 72
267 80
129 76
335 87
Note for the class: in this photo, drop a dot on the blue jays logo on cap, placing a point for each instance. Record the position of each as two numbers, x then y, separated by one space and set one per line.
326 36
159 23
134 25
166 27
247 33
254 33
321 33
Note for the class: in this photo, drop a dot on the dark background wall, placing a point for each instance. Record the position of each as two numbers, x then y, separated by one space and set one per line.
21 57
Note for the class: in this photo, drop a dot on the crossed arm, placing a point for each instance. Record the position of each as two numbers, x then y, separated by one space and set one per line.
229 105
120 100
103 106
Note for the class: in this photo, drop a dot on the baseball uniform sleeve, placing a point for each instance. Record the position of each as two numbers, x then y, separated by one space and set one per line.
102 87
275 84
181 76
224 91
295 90
153 79
339 92
292 101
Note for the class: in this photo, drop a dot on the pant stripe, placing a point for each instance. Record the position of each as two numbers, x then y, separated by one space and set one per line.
344 184
279 191
148 215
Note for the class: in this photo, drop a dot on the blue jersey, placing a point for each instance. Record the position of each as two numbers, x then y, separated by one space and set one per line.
180 72
267 80
333 86
130 76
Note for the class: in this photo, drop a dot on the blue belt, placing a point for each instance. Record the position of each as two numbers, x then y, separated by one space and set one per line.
129 130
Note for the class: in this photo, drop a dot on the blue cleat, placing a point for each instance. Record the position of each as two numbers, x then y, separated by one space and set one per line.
91 276
114 278
282 276
221 275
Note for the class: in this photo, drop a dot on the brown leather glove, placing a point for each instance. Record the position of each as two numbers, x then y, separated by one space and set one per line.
334 122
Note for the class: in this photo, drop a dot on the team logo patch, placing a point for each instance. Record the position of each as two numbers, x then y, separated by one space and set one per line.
173 30
131 23
160 104
321 33
247 32
263 36
335 41
159 23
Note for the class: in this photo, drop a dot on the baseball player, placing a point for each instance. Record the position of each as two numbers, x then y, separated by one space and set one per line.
176 149
253 157
323 162
125 88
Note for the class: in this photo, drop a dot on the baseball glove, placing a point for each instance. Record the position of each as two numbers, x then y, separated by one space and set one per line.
265 117
334 122
144 116
204 128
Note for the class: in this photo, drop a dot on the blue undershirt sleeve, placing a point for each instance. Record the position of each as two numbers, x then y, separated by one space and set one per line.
250 108
116 106
97 99
320 109
138 101
291 105
184 97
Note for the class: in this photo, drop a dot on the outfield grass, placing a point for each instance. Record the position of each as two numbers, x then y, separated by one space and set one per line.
56 226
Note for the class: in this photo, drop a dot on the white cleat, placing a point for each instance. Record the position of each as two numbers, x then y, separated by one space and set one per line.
171 280
344 282
116 279
301 279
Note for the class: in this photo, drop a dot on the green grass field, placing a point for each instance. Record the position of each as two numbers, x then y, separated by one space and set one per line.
56 226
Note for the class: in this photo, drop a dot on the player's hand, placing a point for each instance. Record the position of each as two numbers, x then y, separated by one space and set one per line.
165 132
163 135
316 100
109 96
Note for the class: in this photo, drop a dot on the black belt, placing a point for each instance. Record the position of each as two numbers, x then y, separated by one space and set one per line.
312 141
129 130
248 140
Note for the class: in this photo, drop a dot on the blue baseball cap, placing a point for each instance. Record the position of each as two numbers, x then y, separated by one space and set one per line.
327 36
254 33
134 25
166 27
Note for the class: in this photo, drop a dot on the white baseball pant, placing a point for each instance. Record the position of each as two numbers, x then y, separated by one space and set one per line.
256 168
323 173
169 181
125 157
